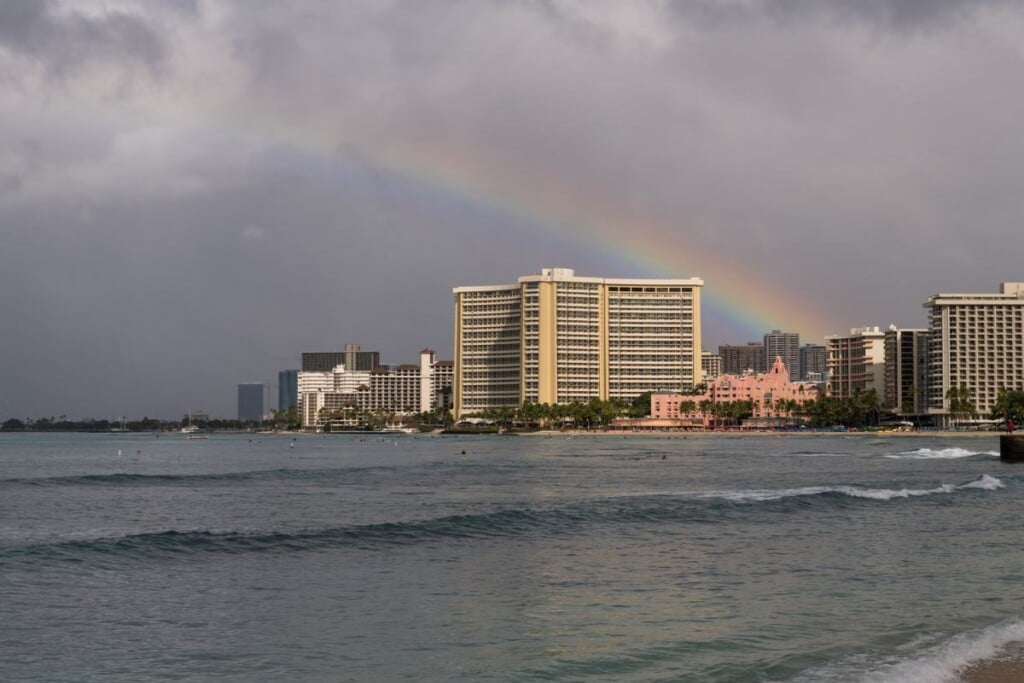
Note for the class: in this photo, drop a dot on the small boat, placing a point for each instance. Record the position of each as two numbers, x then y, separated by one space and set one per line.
189 428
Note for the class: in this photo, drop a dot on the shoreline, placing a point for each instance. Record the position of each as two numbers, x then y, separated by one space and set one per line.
1005 667
755 432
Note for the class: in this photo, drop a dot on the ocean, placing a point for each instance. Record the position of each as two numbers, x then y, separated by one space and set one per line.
127 557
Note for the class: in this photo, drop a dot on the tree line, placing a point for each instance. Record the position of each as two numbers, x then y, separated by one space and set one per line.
863 409
146 424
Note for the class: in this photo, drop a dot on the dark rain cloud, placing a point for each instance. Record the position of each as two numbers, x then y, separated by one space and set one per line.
66 41
191 194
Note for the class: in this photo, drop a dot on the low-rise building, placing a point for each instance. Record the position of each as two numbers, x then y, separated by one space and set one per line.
770 394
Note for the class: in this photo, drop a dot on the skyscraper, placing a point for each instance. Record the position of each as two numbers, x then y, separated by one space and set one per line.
250 402
906 370
559 338
287 389
738 359
813 362
784 345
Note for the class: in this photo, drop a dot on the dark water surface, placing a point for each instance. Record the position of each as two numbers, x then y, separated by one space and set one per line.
724 558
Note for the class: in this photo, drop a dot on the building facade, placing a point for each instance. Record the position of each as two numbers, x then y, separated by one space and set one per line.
813 362
489 334
784 345
710 365
322 361
399 390
287 389
856 363
558 338
906 371
767 392
359 360
975 341
329 391
250 402
740 358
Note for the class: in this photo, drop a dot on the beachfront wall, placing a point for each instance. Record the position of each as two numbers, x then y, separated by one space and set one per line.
764 390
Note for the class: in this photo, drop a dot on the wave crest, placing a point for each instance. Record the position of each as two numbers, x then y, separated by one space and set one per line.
944 662
939 454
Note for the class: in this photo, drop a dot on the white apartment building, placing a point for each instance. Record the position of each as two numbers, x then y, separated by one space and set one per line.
403 389
558 338
332 390
856 363
977 341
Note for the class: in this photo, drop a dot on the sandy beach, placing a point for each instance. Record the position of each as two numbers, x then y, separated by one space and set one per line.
736 432
1007 669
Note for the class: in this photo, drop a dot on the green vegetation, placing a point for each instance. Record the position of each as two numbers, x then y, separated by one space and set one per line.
287 419
961 407
1009 405
63 424
595 413
860 410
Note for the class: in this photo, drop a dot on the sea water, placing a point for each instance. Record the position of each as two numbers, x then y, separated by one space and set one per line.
533 558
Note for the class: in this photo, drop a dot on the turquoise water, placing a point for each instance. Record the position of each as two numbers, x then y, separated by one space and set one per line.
727 558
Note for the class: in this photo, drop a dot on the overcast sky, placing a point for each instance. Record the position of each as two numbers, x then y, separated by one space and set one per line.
192 193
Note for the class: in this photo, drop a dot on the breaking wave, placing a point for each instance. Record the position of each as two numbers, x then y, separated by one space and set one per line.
944 662
941 454
985 482
646 508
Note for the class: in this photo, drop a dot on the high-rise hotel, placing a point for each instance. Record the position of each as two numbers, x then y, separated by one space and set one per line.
558 338
975 341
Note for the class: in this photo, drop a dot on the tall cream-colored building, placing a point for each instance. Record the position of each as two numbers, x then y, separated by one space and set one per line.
558 338
856 363
977 341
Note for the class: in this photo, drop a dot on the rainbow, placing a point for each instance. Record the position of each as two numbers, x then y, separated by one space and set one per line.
750 302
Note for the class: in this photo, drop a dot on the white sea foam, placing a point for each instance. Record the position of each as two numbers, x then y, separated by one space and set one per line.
985 482
940 454
941 663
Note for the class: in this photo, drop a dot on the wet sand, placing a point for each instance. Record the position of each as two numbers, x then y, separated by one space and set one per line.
995 671
679 433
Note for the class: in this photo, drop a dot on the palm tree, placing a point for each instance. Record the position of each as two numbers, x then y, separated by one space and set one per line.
960 404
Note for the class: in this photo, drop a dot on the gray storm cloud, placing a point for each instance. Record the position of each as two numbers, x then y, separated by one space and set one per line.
193 193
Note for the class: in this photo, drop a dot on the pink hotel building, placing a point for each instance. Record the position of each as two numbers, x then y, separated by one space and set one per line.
763 389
